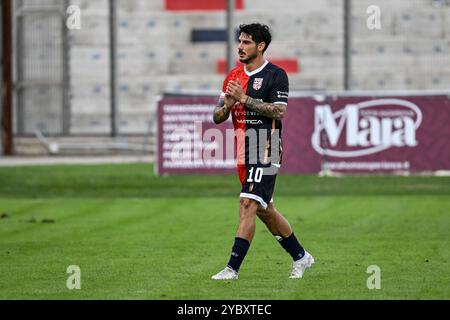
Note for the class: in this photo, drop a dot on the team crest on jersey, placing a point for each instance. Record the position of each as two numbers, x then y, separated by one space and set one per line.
257 84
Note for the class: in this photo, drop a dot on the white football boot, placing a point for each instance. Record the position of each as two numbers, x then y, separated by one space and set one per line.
299 266
226 274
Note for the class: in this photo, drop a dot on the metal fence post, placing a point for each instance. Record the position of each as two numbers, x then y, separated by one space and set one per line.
347 44
19 52
113 62
230 35
66 111
6 94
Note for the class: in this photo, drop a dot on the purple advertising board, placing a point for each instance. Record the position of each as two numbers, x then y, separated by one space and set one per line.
334 133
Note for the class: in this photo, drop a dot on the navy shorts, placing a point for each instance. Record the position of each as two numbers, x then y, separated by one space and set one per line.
258 183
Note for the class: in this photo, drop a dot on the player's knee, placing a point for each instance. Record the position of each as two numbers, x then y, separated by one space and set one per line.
248 203
248 207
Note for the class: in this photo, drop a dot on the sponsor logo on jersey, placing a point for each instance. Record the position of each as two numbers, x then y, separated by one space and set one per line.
366 128
245 113
250 121
257 84
283 95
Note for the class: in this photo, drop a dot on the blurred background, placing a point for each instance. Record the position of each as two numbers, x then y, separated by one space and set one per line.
88 73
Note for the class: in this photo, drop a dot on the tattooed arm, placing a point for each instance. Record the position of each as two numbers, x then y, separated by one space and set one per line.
223 109
270 110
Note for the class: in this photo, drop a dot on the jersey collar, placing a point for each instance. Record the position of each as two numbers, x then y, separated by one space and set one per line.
257 70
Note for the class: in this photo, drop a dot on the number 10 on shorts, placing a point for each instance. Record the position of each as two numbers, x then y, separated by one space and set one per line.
258 175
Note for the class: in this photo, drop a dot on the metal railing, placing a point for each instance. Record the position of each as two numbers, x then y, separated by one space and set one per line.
42 68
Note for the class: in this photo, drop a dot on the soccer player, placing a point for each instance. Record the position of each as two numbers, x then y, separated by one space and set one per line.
256 95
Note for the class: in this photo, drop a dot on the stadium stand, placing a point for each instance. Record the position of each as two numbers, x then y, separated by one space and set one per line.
165 45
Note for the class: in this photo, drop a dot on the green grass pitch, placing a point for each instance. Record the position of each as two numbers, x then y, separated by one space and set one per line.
138 236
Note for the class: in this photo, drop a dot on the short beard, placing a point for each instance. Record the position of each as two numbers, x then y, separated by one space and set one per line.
249 59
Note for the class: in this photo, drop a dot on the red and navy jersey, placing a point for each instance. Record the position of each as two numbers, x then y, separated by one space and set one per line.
269 84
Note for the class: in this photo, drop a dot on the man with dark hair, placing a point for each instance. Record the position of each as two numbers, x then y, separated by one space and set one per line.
256 95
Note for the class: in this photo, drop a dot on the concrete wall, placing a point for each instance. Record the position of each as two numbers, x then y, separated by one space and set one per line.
411 51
